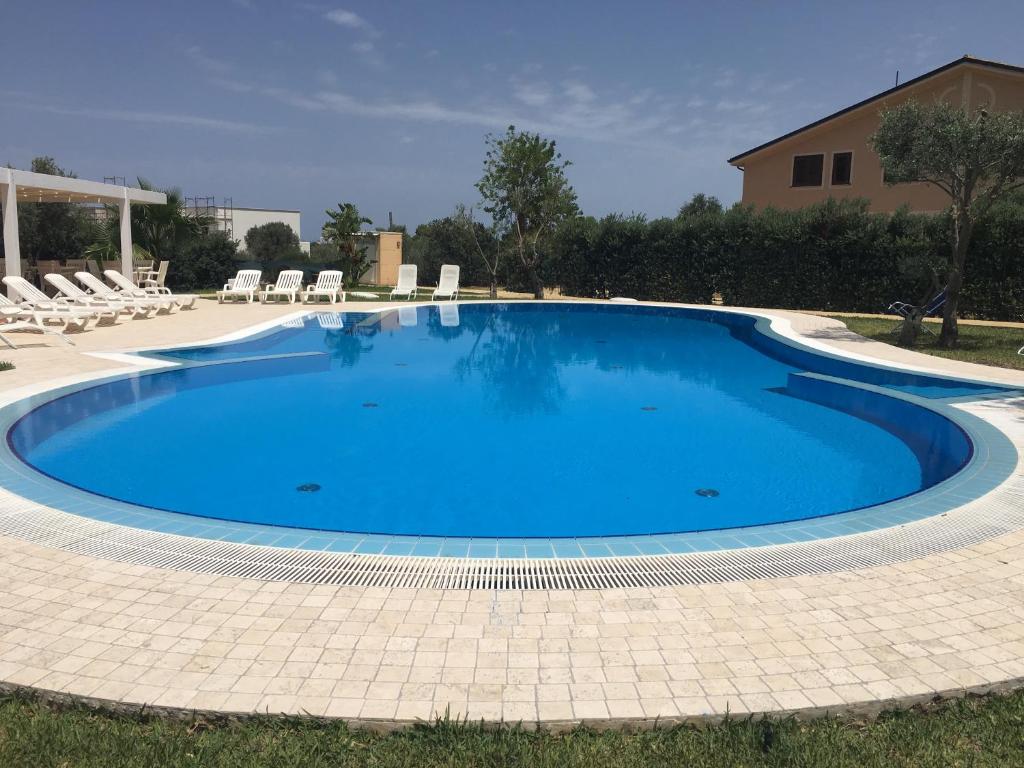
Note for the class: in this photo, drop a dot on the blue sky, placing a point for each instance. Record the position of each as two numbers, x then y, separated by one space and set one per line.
386 104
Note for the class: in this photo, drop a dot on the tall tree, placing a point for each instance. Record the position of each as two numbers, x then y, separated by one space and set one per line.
527 194
700 205
342 230
486 243
272 241
974 157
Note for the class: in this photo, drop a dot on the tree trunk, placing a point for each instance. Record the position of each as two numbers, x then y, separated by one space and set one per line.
494 286
962 228
538 284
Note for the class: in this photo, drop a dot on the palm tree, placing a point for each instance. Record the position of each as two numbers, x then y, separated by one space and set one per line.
158 231
342 231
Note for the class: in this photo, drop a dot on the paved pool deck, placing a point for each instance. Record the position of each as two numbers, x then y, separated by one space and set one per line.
123 634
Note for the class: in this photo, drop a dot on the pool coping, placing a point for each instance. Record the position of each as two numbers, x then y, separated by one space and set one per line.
858 538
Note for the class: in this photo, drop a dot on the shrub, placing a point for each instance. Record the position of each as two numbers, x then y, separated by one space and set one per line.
834 256
271 242
205 262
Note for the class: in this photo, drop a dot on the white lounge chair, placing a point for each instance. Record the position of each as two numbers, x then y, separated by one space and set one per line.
24 325
406 282
68 290
128 288
328 285
17 318
97 287
448 284
288 284
55 309
68 317
244 285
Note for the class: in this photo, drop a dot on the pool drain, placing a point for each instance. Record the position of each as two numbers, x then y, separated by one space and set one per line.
707 493
648 408
369 405
308 488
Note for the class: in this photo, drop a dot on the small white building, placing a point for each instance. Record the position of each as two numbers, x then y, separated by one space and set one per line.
238 221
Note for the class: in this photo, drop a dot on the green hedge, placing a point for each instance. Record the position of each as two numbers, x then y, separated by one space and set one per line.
835 256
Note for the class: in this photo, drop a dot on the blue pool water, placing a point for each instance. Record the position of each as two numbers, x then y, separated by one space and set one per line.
517 420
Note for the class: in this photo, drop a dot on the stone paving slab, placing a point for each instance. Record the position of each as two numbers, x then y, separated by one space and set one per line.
108 631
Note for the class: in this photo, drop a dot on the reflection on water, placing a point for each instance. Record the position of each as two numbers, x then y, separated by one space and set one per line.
517 361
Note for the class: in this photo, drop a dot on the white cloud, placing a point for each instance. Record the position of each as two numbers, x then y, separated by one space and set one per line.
363 46
531 94
160 118
350 20
579 91
209 63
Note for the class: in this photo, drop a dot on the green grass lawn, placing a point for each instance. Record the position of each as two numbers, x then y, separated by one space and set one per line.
985 344
968 732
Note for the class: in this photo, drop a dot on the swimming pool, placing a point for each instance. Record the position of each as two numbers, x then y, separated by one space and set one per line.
518 422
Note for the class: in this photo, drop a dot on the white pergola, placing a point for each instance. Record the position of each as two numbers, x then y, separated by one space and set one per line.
27 187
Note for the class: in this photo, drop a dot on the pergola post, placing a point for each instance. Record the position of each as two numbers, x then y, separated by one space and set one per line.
12 246
127 262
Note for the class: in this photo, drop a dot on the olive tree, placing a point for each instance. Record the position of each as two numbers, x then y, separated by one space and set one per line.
527 194
974 157
273 241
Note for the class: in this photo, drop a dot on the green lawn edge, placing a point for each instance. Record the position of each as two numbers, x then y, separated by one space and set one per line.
982 344
971 731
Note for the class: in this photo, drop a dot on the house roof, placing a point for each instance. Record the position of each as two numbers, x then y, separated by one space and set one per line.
964 60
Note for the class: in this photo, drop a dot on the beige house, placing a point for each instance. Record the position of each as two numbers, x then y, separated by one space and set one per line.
385 252
831 157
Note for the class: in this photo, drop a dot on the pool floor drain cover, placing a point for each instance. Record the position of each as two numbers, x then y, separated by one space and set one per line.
369 405
648 408
708 493
308 487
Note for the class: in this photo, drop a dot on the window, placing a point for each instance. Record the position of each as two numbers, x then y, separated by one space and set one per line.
842 168
807 170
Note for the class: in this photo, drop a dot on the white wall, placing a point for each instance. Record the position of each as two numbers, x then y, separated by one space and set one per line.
244 220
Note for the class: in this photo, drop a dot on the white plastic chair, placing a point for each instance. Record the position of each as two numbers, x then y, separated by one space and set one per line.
243 286
127 287
448 283
288 284
101 289
17 318
156 282
328 284
68 290
39 310
406 282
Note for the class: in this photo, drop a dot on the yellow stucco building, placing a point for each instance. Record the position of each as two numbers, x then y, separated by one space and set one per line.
832 158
